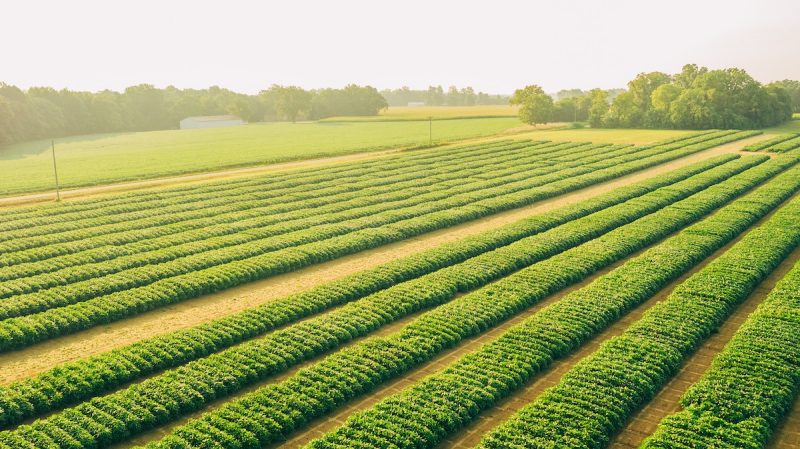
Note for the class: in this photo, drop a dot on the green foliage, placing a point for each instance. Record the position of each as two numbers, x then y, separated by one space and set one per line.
629 369
436 96
535 106
780 144
750 386
696 98
99 374
444 402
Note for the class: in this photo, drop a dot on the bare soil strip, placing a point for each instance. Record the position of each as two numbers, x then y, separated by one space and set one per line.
35 359
787 435
667 401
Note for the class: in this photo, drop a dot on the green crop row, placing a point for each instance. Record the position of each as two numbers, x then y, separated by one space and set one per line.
423 415
109 222
595 399
279 180
170 262
751 385
765 144
120 415
81 380
25 399
227 201
316 178
277 409
93 280
261 223
23 331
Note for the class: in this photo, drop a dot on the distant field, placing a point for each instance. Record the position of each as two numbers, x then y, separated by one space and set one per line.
636 136
107 158
436 112
792 126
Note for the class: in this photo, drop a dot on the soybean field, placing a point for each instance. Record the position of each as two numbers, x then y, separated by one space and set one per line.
511 293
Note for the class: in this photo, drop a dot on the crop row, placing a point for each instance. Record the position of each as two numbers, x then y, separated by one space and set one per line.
100 279
750 386
110 221
304 179
251 225
595 399
249 221
278 409
423 415
276 180
23 331
146 212
92 280
765 144
81 380
368 362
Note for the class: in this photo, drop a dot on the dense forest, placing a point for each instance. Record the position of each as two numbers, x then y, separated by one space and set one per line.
43 112
695 98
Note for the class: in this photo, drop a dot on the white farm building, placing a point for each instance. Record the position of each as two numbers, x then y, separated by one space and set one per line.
211 121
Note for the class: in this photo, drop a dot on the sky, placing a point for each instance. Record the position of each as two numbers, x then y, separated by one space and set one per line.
494 46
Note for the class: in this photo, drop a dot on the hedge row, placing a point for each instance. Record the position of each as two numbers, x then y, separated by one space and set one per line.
83 379
751 384
109 223
24 331
765 144
175 261
253 223
423 415
277 409
118 416
595 399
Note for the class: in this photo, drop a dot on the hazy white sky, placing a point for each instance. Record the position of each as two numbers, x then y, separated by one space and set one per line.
494 46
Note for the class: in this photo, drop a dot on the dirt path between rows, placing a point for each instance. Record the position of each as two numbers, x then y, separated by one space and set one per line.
32 360
787 435
667 401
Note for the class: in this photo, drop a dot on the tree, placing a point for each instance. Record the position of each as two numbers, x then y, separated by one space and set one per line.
535 106
598 107
290 102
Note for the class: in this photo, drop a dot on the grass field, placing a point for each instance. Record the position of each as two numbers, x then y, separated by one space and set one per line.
100 159
456 297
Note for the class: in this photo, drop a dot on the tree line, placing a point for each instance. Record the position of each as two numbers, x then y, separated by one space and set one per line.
695 98
436 96
44 112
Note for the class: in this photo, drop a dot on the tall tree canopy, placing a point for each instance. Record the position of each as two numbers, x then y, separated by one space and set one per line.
695 98
535 106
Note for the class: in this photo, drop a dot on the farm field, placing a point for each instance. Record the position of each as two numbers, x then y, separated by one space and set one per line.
109 158
495 294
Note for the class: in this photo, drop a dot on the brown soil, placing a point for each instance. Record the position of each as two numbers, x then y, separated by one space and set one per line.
30 361
787 435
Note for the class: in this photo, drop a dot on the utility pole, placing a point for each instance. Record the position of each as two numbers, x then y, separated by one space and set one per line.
55 169
430 130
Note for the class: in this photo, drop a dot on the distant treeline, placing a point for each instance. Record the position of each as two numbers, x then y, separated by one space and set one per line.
696 98
43 112
436 96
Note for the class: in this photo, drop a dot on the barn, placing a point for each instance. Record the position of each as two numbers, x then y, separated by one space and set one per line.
211 121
